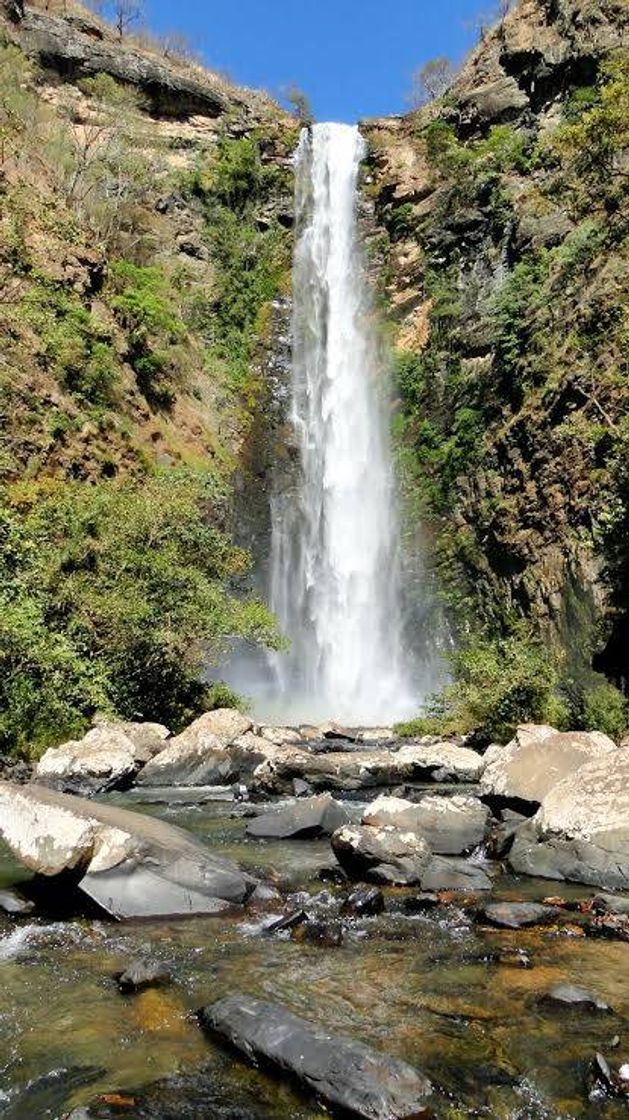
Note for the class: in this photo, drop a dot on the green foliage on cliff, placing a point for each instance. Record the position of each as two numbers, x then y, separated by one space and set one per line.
251 254
112 598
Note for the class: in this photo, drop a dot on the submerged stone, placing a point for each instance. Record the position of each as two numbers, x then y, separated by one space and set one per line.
518 915
343 1074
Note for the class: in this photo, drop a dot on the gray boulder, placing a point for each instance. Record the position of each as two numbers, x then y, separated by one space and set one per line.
382 855
141 974
538 758
581 831
343 1074
451 874
518 915
204 754
449 825
307 818
106 758
129 864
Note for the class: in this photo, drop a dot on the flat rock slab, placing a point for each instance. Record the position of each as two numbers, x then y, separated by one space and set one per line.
518 915
129 864
307 818
345 1075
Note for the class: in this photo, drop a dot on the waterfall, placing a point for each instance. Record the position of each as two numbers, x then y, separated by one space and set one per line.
334 577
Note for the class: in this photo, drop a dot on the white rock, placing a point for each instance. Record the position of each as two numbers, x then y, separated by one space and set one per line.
530 765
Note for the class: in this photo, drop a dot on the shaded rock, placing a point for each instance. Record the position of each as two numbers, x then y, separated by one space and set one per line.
201 754
310 817
537 759
449 825
79 49
581 831
104 759
301 788
335 731
364 902
131 865
421 903
518 915
141 974
362 769
569 995
342 1073
492 103
381 855
449 874
13 903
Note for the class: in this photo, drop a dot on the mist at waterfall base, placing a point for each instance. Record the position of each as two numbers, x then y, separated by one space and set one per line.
334 578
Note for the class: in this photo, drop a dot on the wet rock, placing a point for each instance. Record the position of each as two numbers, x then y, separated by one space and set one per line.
518 915
381 855
45 1096
610 904
106 758
342 1073
205 753
287 922
317 932
502 834
308 818
449 825
538 758
581 831
449 874
13 903
364 902
301 788
141 974
569 995
131 865
421 903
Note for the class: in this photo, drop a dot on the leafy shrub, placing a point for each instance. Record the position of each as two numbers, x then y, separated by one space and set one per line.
606 709
76 346
113 597
498 684
144 307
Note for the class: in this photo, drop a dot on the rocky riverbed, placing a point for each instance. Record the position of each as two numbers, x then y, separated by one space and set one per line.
370 889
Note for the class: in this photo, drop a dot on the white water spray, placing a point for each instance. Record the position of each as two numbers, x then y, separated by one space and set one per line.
334 573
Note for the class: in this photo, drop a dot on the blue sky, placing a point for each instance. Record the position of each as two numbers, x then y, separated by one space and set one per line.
353 58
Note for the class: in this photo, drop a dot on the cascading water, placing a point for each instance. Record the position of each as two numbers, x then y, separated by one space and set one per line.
334 580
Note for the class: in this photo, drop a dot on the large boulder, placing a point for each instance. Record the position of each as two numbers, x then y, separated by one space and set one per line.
343 1074
381 855
364 769
445 873
203 755
537 759
129 864
449 825
106 758
307 818
581 831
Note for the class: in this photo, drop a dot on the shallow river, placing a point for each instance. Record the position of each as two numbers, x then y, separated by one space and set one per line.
426 988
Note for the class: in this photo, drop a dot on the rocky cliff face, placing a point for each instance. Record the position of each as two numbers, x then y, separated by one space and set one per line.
135 187
503 212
